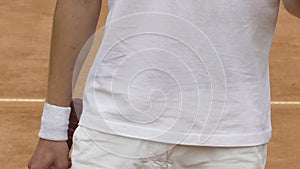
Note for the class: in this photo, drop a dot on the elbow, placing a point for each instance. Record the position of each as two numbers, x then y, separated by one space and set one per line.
293 7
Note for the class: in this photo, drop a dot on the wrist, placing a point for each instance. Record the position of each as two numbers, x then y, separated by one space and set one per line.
54 122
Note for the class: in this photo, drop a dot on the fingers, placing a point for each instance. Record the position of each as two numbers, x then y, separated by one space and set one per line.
38 162
50 155
41 159
43 166
62 162
61 165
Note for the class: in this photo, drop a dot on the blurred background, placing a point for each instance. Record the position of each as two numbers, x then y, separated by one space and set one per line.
25 33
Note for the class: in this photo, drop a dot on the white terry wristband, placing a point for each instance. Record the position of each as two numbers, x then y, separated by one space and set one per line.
54 123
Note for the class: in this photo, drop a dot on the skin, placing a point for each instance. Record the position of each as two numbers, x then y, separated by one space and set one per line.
74 23
293 7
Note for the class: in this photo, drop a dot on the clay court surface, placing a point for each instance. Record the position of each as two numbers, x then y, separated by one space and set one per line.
25 29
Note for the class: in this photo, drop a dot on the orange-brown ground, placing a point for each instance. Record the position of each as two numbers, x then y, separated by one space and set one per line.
25 28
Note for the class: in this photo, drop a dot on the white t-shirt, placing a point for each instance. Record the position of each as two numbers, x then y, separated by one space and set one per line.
184 71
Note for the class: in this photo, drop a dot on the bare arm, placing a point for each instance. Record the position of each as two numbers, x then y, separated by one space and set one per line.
74 22
293 7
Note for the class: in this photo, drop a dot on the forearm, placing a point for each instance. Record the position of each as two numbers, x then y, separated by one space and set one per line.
74 22
293 7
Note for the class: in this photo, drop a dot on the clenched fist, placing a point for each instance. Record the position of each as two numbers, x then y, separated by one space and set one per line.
50 155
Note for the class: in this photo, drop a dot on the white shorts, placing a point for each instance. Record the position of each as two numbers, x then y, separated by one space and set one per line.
97 150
